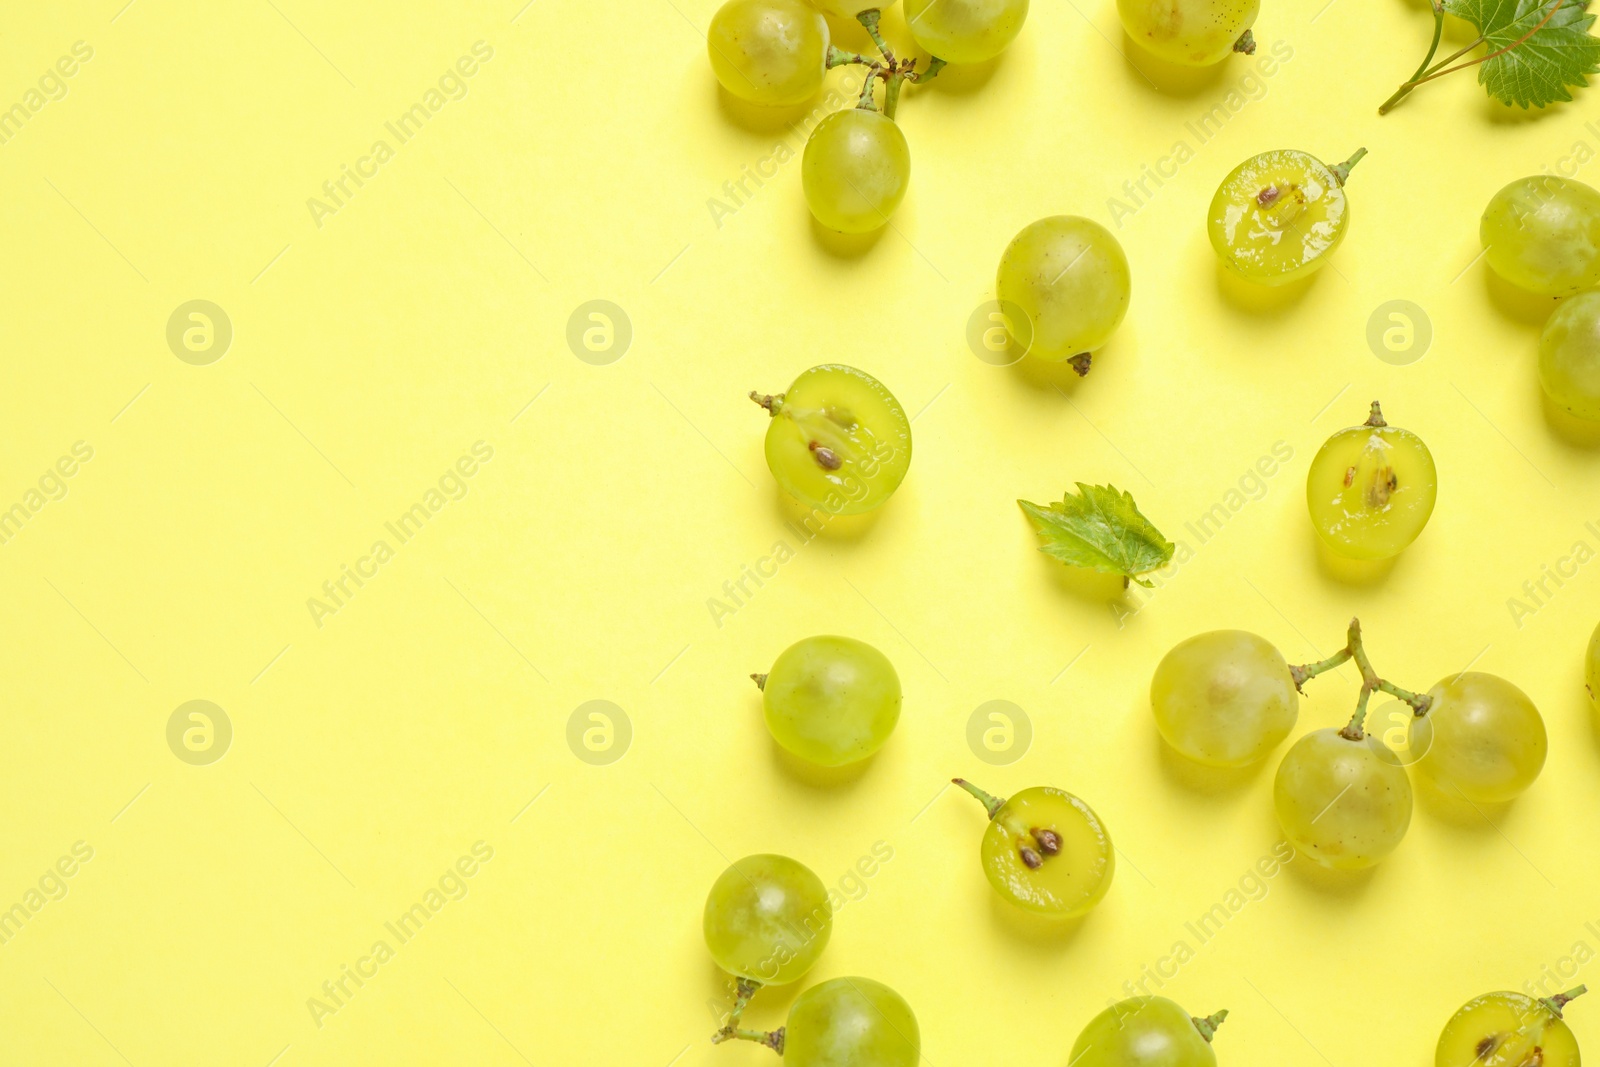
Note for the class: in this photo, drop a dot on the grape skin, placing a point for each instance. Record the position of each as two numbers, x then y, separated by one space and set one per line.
1224 698
855 170
1371 490
851 1022
832 700
767 918
1482 737
849 9
1510 1026
1069 276
1195 33
1142 1032
834 413
1569 356
965 31
1542 234
1065 885
1278 217
1341 803
770 52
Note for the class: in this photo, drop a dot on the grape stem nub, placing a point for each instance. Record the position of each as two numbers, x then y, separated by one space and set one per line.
760 680
991 802
1208 1026
1341 173
1246 44
1561 1000
773 404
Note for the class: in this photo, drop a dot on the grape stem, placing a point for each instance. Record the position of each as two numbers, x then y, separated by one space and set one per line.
760 680
1425 73
1561 1000
1370 681
773 404
746 988
1208 1026
1341 173
991 802
891 71
772 1039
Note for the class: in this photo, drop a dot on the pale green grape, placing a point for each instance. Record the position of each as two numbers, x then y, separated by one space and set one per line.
1341 802
1591 669
770 52
1507 1030
851 1022
1194 33
838 440
849 9
1371 489
1569 356
855 170
1146 1032
965 31
1481 737
767 919
1224 698
1068 275
831 700
1045 850
1542 234
1280 215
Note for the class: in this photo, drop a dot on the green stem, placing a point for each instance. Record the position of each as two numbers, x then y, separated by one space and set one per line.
869 19
935 65
1371 683
1341 173
1441 68
1561 1000
1208 1026
868 89
773 1040
772 402
891 95
746 988
838 57
1304 672
990 802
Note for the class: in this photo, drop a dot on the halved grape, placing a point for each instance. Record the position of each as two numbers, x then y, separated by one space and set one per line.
1569 356
1371 489
1280 215
767 919
965 31
1506 1029
771 52
1045 850
855 170
831 700
1194 33
1224 698
1542 234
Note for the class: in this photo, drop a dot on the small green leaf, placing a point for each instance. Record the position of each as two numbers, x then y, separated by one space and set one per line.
1100 528
1541 63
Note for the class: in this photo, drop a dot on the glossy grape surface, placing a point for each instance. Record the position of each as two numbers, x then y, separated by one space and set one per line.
1066 884
849 9
832 700
1224 698
855 170
1371 490
1142 1032
1503 1030
838 440
1542 234
965 31
1278 216
1194 33
1341 802
1070 277
767 918
851 1022
1482 738
768 51
1569 356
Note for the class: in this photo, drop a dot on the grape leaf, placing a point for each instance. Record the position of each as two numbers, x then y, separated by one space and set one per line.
1100 528
1537 71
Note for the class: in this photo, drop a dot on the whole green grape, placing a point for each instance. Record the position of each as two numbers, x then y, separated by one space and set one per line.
1146 1032
1481 737
1569 356
1542 234
1045 850
1280 215
843 1022
1069 276
771 52
855 170
1508 1029
965 31
1340 802
831 700
1591 671
767 918
1224 698
838 440
1371 489
1194 33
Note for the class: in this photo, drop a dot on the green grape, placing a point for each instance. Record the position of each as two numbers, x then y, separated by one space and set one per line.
1542 234
1591 669
770 52
1371 489
855 170
1280 215
1481 737
838 440
767 919
1045 850
1194 33
843 1022
831 700
965 31
1224 698
1147 1032
1340 801
1508 1029
1069 277
849 9
1569 356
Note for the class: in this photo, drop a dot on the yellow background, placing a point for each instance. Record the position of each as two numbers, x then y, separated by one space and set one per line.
371 352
